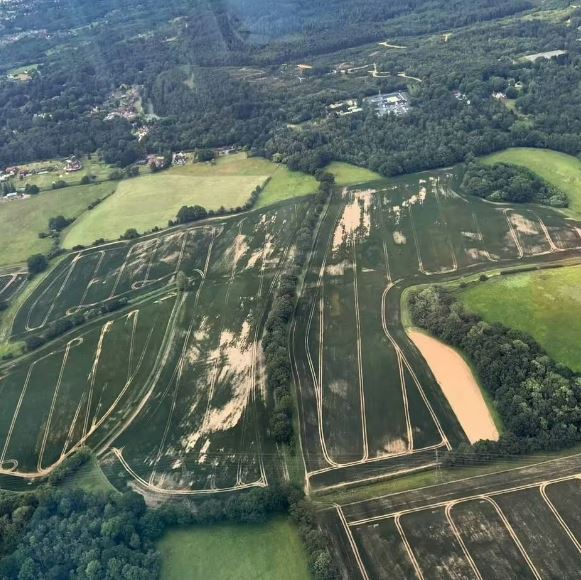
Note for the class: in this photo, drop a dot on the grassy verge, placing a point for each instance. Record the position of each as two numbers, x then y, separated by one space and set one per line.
435 477
347 174
90 478
227 552
560 170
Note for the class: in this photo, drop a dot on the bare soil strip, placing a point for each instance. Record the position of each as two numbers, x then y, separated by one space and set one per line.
459 387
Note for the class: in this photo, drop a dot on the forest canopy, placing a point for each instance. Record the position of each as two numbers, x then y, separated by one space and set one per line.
505 182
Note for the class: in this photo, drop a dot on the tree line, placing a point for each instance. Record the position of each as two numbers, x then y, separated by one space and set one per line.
55 532
505 182
538 399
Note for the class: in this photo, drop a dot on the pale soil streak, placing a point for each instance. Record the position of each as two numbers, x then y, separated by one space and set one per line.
479 233
458 385
149 487
513 234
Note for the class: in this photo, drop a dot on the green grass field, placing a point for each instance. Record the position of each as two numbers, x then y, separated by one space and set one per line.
22 220
561 170
285 184
544 304
266 552
347 174
151 200
89 477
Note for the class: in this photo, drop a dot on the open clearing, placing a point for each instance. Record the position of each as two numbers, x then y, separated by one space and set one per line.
23 219
347 174
459 386
559 169
544 304
151 200
265 552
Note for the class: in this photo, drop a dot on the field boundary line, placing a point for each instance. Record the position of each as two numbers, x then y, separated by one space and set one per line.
70 344
352 542
408 548
385 475
463 479
513 233
513 535
454 268
448 513
566 528
359 355
444 503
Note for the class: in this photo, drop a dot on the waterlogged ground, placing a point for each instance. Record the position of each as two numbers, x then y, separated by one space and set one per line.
169 388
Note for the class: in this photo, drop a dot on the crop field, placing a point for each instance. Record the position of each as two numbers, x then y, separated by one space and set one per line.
541 304
10 284
370 406
468 529
168 388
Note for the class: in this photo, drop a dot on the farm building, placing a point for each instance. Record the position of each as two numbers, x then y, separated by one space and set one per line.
390 103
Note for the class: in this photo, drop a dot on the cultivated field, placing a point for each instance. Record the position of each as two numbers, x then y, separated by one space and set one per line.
166 390
543 304
521 523
370 406
560 170
151 200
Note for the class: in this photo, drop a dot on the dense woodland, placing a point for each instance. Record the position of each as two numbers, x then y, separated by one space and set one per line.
191 97
538 400
504 182
60 533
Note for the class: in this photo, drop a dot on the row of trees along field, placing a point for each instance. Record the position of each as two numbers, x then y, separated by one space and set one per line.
275 341
70 533
504 182
538 399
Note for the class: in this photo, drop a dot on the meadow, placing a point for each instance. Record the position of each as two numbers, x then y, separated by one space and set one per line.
347 174
543 304
559 169
150 201
23 219
228 552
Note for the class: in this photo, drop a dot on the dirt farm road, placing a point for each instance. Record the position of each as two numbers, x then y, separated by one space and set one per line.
504 480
